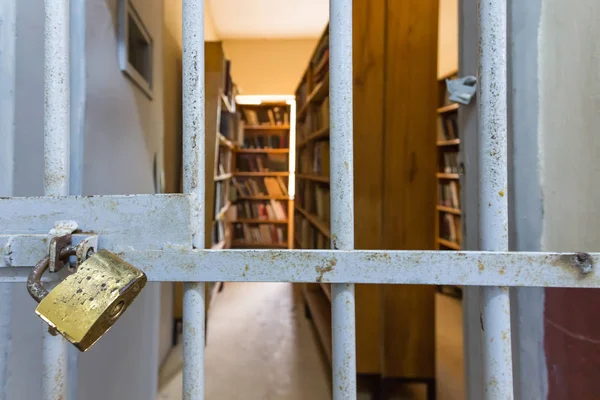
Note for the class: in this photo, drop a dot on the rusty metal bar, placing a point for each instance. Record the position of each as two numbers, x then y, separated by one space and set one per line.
342 195
56 164
193 181
493 204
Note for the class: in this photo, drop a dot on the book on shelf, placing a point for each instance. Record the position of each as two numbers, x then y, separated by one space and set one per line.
322 203
238 130
266 115
259 233
448 194
265 210
451 229
447 126
302 93
451 162
321 158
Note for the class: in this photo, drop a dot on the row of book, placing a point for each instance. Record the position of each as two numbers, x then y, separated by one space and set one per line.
267 116
448 194
447 126
267 186
316 119
314 198
262 162
315 160
320 60
266 210
451 162
307 236
232 126
450 228
266 141
221 196
224 160
259 233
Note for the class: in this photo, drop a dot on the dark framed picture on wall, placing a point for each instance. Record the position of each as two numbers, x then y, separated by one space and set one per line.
136 48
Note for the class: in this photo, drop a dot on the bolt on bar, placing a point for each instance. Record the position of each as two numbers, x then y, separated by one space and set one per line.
342 195
56 163
194 183
493 204
8 38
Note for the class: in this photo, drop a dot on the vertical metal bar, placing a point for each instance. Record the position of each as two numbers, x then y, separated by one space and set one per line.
342 194
56 163
8 38
77 124
193 182
493 204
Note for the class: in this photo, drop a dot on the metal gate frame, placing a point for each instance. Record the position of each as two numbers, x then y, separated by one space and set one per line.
164 236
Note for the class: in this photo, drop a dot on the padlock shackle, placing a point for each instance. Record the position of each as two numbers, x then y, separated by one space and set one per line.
34 280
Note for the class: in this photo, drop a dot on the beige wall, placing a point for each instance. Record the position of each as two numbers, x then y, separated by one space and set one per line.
172 19
268 66
448 37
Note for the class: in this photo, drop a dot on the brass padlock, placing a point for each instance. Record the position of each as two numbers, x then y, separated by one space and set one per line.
84 305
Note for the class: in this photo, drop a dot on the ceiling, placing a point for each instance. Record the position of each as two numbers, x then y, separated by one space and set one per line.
269 19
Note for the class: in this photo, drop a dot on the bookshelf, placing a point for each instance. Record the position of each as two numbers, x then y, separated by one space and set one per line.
261 175
394 180
448 221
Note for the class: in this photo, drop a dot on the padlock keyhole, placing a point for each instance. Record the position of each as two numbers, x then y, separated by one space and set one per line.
117 310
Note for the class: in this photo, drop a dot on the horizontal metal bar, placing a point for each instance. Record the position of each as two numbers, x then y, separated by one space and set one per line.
346 266
140 222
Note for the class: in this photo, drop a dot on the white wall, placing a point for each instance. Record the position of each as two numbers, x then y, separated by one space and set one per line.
123 129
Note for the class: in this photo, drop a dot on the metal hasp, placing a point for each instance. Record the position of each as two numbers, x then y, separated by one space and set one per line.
493 198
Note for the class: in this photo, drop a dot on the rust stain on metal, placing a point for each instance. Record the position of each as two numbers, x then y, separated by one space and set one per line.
502 270
501 193
480 266
323 270
581 262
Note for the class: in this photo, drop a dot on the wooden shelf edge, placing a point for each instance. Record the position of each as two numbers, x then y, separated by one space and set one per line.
320 311
315 178
450 210
314 221
222 211
223 177
449 244
442 175
448 108
259 221
320 134
225 142
219 246
225 101
259 245
449 142
263 150
318 93
264 198
271 173
267 127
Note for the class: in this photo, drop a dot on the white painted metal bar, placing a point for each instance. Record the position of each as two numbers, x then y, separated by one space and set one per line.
8 36
193 182
342 195
493 204
56 164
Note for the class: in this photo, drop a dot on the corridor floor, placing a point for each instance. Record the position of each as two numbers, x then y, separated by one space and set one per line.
259 347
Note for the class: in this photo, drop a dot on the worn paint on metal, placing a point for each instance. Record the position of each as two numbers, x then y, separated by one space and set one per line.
56 98
493 202
342 196
194 184
136 221
174 263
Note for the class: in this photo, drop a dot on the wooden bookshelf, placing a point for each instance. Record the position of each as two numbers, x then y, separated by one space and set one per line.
262 166
393 137
448 221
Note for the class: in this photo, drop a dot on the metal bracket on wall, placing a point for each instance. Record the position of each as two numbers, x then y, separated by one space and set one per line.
463 89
